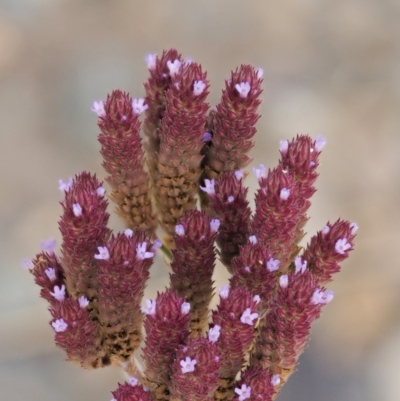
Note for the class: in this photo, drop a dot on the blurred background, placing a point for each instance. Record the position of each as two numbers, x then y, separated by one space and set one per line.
331 68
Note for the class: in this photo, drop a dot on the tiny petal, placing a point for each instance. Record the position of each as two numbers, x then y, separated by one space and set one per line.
284 281
151 61
65 186
326 230
257 299
243 392
275 380
243 89
354 228
59 325
173 67
98 108
300 267
320 142
260 172
27 264
253 239
207 136
103 253
273 264
239 174
141 252
284 194
198 87
223 291
185 308
342 246
260 73
284 146
58 293
214 225
128 233
248 317
77 209
150 308
83 302
187 365
209 187
48 245
213 334
100 191
138 106
51 273
179 230
133 381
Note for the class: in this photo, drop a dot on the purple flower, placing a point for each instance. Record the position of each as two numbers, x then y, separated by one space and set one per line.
187 365
243 392
103 253
59 325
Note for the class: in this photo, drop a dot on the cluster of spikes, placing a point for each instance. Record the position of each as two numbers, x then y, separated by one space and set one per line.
187 179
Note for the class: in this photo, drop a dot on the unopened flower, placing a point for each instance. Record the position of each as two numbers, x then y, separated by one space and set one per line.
133 381
100 191
207 136
300 267
187 365
77 209
223 291
58 293
320 142
284 281
326 230
284 194
138 106
273 264
321 297
248 317
103 253
342 246
98 108
179 230
230 199
253 239
141 252
239 174
213 333
260 72
83 301
284 146
150 308
260 171
214 225
185 308
157 244
173 67
65 186
243 89
151 61
257 299
209 187
354 228
198 87
59 325
48 245
275 380
51 273
128 233
243 392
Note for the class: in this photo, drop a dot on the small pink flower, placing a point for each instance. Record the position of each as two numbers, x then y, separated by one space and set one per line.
103 253
207 136
257 299
58 293
260 171
173 67
141 252
179 230
300 267
100 191
321 297
185 308
273 264
275 380
230 199
65 186
128 233
151 61
188 364
138 106
239 174
198 87
133 381
260 73
214 225
223 291
284 146
83 301
342 246
157 244
48 245
320 142
284 194
77 209
248 317
325 230
243 392
27 264
98 108
284 281
59 325
209 187
51 273
253 239
354 228
243 89
150 308
213 333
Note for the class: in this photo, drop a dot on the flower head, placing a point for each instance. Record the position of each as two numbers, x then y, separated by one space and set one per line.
284 146
284 281
100 191
179 230
275 380
214 225
260 171
128 233
284 194
320 142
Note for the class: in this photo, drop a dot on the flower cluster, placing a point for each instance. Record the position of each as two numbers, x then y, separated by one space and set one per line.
250 344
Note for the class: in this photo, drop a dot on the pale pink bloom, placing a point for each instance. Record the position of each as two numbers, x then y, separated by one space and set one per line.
141 252
58 293
243 89
157 244
257 299
320 142
198 87
207 136
260 73
284 194
65 186
354 228
151 61
284 281
173 67
98 108
128 233
325 230
284 146
48 245
260 171
213 334
133 381
138 106
103 253
223 291
77 209
179 230
59 325
273 264
342 246
275 380
248 317
300 267
214 225
100 191
83 301
150 308
27 264
51 273
187 365
243 392
208 187
230 199
185 308
321 297
253 239
239 174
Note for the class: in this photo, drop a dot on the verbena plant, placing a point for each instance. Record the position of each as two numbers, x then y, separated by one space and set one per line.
245 349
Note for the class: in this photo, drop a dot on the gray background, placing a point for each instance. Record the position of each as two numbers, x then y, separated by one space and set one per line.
332 68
